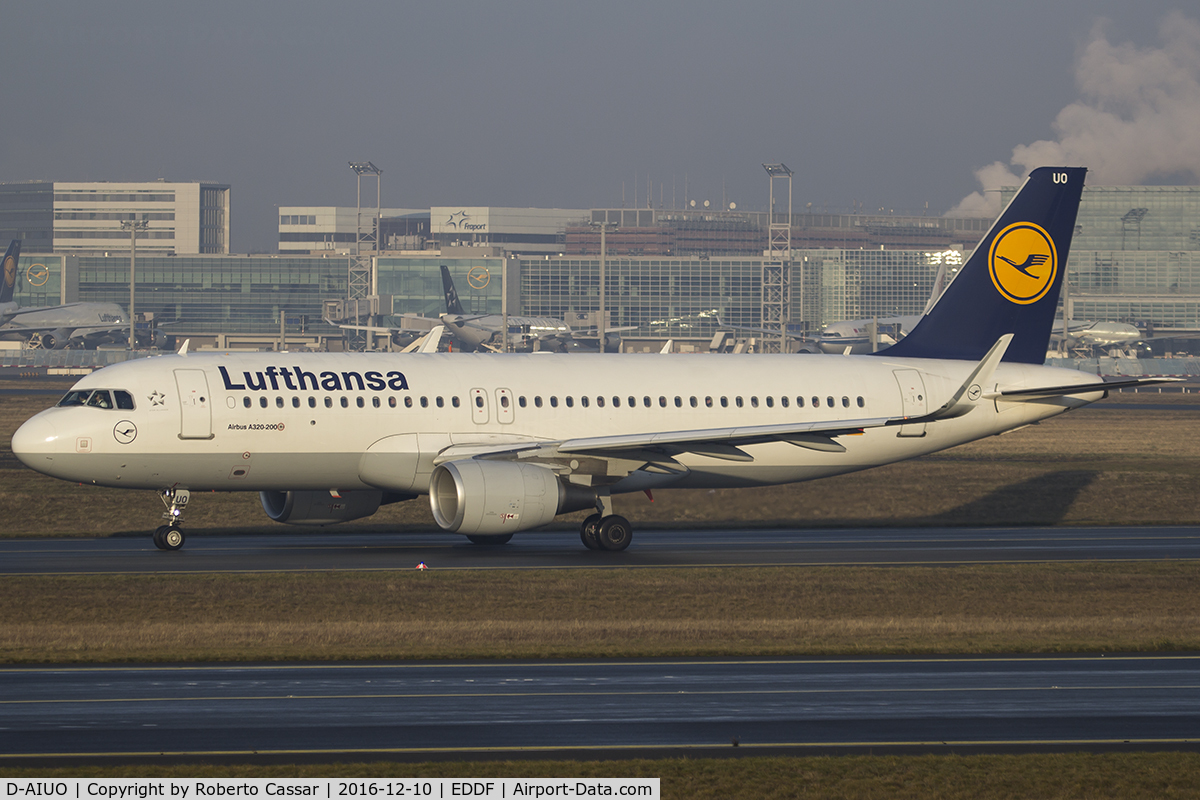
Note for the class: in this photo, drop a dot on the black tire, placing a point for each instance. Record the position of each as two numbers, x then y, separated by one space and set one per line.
172 538
501 539
158 537
615 533
589 532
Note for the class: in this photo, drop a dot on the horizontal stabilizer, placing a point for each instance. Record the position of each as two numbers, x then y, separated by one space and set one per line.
1018 395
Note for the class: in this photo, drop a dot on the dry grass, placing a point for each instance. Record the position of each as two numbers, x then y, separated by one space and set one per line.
1064 776
538 614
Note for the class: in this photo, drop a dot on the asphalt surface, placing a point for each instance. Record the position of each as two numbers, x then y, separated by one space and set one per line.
570 709
563 550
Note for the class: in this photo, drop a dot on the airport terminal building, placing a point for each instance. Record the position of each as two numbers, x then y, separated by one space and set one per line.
1135 258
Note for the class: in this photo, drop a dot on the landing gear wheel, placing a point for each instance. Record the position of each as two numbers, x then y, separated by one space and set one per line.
615 533
158 536
501 539
589 532
172 538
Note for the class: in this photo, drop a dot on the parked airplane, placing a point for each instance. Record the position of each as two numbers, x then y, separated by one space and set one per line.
56 327
486 331
504 443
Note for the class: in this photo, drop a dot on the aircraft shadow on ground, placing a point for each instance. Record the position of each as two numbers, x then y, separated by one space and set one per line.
1044 500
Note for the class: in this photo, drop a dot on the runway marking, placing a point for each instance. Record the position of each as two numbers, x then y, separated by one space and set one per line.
517 694
608 747
487 665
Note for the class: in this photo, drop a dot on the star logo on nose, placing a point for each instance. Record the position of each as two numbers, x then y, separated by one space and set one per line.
157 398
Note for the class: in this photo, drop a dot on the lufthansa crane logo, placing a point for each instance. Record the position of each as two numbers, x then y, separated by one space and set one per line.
37 274
1023 262
10 271
478 277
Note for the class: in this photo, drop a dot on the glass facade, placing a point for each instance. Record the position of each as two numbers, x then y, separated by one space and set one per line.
219 294
39 281
415 284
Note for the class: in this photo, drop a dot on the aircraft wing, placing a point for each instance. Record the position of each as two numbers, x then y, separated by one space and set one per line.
36 309
92 327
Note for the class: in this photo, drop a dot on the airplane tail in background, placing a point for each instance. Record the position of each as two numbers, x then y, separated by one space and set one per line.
10 271
453 305
1011 282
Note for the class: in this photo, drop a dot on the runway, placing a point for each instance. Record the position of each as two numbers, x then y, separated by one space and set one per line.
595 709
563 550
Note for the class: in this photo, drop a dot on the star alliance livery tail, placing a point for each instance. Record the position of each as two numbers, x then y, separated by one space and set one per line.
10 271
453 305
1010 284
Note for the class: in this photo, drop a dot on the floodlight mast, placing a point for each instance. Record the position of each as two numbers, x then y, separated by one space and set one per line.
133 226
359 284
777 269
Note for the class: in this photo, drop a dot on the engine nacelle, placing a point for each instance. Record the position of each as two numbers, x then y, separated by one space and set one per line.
319 508
497 497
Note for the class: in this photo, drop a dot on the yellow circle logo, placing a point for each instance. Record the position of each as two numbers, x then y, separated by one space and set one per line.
478 277
37 274
1023 262
10 271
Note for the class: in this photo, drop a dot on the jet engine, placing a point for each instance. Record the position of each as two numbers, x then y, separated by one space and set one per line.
319 508
498 497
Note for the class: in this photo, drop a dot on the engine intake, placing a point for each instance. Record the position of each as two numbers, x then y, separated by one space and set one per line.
497 497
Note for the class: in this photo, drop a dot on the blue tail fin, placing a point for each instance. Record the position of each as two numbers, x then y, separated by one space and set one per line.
453 305
10 271
1010 284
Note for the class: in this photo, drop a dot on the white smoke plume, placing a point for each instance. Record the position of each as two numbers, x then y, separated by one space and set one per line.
1138 120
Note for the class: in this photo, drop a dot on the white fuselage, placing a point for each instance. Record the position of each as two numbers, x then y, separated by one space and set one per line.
280 421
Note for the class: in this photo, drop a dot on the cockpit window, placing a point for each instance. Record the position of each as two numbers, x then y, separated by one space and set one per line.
75 397
100 399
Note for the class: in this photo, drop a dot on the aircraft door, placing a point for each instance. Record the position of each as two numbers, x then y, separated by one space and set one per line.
194 404
913 400
504 405
479 406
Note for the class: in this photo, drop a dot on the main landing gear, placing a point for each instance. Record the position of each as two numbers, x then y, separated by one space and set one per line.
170 536
605 530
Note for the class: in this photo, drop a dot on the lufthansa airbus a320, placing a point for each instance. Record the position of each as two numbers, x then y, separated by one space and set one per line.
504 443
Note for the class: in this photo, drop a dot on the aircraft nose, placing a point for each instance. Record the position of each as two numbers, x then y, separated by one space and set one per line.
33 440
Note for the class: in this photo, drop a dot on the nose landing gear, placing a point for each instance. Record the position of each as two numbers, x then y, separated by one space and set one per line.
169 536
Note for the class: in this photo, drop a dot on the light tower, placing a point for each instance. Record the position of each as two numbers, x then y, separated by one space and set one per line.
133 226
360 294
777 269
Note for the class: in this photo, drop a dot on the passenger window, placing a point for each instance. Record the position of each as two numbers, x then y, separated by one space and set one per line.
678 401
570 401
345 402
312 402
392 402
633 402
829 400
279 402
503 401
845 402
440 402
737 401
662 401
408 402
124 400
599 402
724 402
329 402
616 402
454 401
693 402
583 401
246 401
521 401
708 402
799 402
424 402
375 402
646 401
262 402
770 402
100 399
295 402
861 402
783 401
479 401
816 402
537 401
553 401
754 402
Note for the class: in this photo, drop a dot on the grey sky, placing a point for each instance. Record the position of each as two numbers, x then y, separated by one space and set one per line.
548 104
